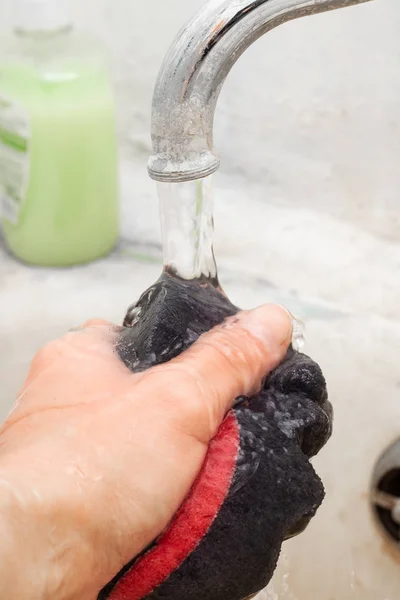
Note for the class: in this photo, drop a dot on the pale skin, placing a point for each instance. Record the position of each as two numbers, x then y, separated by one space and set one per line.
95 460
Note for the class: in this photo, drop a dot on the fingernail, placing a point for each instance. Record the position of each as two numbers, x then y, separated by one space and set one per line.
270 323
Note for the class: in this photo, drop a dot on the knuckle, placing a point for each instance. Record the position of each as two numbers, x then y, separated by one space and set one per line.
191 399
235 356
186 387
46 353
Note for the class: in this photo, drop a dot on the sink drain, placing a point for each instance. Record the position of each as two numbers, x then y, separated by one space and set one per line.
385 493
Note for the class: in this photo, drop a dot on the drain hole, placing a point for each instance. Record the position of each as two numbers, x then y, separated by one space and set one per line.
386 501
390 483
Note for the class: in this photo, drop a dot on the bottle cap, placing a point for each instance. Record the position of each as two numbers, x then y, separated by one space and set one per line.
41 15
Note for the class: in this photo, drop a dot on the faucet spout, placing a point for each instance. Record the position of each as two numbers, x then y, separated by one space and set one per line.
194 70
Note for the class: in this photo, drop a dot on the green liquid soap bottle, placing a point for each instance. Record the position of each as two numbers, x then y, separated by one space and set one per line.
59 193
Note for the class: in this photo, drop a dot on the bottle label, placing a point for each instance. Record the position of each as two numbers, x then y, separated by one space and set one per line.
14 158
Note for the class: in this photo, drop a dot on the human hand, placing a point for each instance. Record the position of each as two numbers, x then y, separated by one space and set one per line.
95 460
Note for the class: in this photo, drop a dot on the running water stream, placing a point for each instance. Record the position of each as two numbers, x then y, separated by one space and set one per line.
187 224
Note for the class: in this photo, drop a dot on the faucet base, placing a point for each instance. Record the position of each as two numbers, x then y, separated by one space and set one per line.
170 172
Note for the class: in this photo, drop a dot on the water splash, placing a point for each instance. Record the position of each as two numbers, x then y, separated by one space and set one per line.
298 336
279 588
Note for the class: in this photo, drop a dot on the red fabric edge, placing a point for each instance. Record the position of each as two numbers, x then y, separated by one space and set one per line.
192 521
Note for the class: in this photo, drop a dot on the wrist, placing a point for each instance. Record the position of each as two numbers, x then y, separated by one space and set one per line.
31 563
20 565
46 551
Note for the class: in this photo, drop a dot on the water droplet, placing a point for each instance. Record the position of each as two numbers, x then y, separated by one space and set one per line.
298 338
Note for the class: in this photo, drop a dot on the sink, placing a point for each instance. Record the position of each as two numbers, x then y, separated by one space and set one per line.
344 282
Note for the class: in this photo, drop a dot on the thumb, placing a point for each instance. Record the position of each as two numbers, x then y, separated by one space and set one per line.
232 359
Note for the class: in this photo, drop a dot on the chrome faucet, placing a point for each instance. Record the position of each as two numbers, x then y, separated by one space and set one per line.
194 70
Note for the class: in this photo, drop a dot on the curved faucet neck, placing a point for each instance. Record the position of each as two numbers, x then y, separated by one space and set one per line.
194 71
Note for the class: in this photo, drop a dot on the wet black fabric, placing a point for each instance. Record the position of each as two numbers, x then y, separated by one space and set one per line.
275 490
